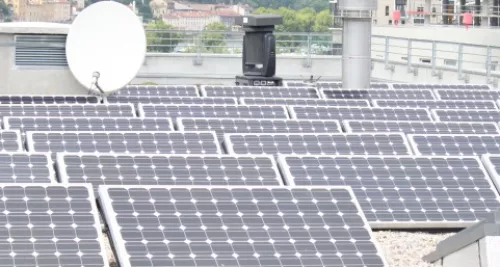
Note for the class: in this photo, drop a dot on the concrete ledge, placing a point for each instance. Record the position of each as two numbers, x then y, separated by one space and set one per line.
466 243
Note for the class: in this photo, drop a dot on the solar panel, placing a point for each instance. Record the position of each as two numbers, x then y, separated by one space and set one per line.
10 141
456 94
22 167
124 142
259 91
304 102
170 100
339 85
455 145
87 124
221 170
159 90
403 191
376 94
421 127
439 86
223 126
50 225
68 110
466 115
359 113
436 104
49 99
213 111
318 144
238 226
295 84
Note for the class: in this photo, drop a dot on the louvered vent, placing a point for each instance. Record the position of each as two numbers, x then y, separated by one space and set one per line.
41 50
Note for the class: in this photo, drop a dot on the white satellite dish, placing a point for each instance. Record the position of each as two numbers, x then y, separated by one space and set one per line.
106 46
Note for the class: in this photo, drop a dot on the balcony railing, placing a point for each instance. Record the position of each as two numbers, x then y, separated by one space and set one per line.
415 53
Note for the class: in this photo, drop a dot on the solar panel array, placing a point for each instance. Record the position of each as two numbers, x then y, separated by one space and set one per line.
435 104
47 99
421 127
116 99
158 90
242 176
395 190
376 94
259 91
87 124
224 126
358 113
238 226
470 87
214 111
305 102
68 110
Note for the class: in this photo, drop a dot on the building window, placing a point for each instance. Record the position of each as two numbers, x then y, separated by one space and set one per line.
386 11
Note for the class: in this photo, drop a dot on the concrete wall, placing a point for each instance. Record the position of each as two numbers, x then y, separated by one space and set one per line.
221 69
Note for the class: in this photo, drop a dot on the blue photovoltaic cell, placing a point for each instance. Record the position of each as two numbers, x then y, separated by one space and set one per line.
403 191
238 226
359 113
339 85
259 91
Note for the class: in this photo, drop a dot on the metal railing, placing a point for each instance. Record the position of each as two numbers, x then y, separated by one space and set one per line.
415 53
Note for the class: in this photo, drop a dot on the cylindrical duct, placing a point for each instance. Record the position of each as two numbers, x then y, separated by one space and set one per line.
356 53
356 42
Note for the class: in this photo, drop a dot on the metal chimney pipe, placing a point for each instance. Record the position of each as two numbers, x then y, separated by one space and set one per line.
356 42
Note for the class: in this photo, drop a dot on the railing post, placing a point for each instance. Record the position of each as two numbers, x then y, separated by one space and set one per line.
488 65
386 51
433 57
460 60
309 52
408 56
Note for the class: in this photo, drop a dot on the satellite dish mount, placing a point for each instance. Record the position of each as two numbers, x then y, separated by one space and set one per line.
259 50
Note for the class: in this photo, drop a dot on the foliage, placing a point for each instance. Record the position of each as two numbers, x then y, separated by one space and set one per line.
303 20
5 12
142 6
161 41
213 37
317 5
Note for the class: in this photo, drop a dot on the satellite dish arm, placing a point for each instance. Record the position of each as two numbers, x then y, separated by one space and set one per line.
95 82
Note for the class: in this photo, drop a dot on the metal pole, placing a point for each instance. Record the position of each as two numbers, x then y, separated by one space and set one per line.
356 42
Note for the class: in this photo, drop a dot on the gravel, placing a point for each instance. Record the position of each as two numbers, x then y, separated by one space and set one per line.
401 249
406 249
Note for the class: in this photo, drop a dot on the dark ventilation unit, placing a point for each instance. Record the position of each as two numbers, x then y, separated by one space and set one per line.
259 50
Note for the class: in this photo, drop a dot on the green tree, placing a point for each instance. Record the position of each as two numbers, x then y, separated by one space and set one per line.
323 21
161 37
214 38
5 11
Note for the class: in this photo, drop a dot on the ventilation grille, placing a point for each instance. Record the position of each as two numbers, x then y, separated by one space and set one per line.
41 50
